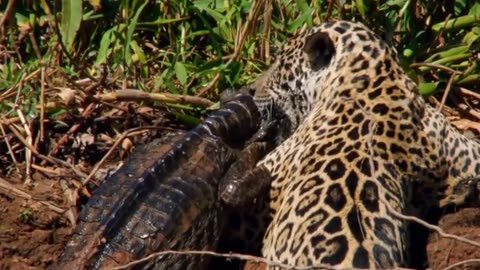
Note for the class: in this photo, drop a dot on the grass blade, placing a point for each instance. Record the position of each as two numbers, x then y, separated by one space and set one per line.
71 19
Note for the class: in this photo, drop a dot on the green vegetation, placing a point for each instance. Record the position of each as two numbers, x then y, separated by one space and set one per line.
62 60
26 216
197 47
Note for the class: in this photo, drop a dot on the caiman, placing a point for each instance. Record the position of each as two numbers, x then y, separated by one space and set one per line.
166 196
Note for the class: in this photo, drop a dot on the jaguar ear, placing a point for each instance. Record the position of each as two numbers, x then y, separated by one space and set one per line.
319 48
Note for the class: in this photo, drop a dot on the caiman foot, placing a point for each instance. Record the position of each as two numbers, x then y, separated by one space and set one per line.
244 182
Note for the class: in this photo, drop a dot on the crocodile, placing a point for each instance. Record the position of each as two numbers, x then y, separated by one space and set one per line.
167 195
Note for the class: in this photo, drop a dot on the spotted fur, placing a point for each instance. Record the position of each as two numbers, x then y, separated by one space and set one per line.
360 142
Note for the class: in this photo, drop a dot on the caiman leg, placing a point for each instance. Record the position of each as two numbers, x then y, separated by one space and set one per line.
242 189
244 182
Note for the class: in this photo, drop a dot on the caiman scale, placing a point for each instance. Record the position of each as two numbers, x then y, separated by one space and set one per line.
165 197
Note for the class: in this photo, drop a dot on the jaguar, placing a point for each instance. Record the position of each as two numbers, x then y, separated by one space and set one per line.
359 148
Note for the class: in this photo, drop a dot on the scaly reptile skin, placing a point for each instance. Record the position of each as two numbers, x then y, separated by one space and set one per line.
165 197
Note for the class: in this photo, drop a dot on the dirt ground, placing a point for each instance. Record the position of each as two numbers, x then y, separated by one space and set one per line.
443 252
32 235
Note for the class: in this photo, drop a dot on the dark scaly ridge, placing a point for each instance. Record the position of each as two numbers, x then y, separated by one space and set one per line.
223 123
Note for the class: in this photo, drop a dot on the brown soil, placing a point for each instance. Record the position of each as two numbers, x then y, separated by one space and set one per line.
443 252
32 236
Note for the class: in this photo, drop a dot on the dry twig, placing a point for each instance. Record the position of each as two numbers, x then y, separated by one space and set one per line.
470 261
470 93
86 113
20 193
9 147
136 95
28 151
446 92
235 256
34 151
42 105
432 227
9 11
437 66
466 109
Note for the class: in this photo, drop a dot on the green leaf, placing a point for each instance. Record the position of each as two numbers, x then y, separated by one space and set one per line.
160 21
140 56
457 23
427 88
472 40
131 28
102 53
201 4
448 52
459 6
394 3
21 19
214 14
234 73
44 6
213 64
408 52
187 119
302 5
181 72
71 19
475 9
298 22
108 38
361 7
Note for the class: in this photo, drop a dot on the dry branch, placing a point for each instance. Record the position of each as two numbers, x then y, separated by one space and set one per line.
137 95
41 156
20 193
238 256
